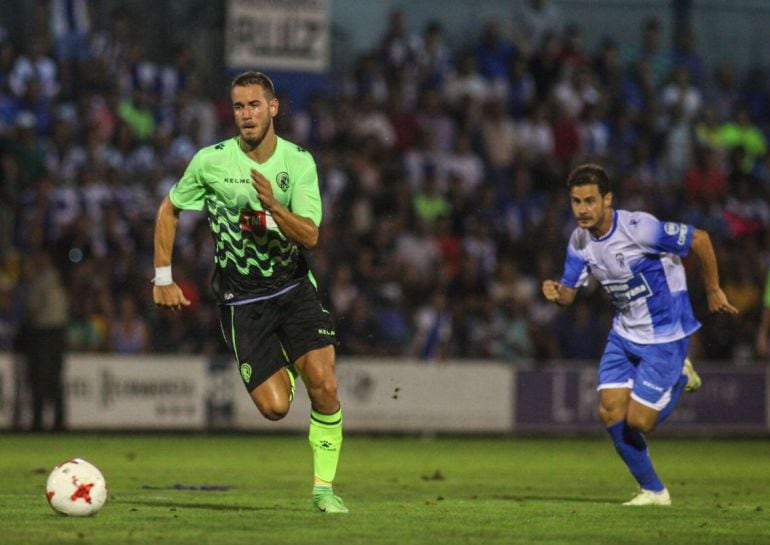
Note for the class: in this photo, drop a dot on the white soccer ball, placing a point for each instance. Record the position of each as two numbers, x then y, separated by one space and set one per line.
76 488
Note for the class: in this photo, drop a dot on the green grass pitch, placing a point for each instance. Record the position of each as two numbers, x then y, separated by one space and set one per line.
400 490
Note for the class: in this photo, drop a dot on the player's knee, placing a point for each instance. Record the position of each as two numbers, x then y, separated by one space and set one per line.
642 423
273 411
610 413
324 391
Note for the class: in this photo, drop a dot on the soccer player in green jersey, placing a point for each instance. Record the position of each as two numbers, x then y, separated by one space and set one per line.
263 203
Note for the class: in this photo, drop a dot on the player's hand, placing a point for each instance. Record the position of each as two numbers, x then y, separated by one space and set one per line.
170 297
551 290
718 302
264 190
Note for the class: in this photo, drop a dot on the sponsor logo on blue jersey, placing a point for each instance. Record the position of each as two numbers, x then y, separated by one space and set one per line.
623 293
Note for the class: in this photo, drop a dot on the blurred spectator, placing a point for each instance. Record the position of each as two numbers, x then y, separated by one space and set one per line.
545 65
575 91
509 336
371 122
428 202
494 54
45 318
678 146
573 54
650 52
607 67
35 67
129 332
464 164
357 330
687 58
535 20
399 46
433 329
706 181
498 138
433 56
763 333
466 86
723 91
680 92
521 88
708 130
740 132
594 135
580 334
137 115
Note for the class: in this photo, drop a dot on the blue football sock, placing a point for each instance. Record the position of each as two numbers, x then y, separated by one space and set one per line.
676 391
632 447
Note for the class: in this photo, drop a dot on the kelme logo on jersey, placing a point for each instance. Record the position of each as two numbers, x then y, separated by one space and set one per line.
282 179
245 372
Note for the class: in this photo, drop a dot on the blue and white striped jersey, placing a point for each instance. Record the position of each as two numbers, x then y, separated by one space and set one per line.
638 263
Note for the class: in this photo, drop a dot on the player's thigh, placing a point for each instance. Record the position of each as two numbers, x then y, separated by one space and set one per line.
306 326
617 367
659 370
249 332
317 366
641 416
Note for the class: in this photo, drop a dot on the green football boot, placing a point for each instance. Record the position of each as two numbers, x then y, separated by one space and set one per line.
329 503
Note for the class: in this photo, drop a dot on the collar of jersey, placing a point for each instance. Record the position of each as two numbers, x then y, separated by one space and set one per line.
240 150
612 229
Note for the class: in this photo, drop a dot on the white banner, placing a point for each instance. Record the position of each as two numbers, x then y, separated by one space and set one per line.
134 392
405 397
288 35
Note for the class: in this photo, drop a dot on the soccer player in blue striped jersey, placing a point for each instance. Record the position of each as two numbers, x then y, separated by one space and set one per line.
637 260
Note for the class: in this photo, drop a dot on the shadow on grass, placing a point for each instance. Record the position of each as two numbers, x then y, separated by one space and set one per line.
204 506
546 497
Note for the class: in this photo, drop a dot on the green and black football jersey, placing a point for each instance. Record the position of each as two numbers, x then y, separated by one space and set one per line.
253 257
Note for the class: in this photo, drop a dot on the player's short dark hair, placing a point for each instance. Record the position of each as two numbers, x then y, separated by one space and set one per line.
589 173
254 78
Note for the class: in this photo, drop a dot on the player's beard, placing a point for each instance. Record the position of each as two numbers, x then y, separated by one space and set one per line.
255 141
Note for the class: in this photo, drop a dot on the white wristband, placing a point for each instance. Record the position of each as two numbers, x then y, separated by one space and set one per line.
163 276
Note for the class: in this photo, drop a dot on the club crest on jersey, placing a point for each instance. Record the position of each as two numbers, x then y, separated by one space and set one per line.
671 228
282 179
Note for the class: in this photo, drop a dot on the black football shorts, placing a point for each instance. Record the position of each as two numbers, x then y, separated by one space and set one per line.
269 334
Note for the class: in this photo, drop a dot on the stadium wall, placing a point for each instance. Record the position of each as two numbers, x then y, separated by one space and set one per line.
110 392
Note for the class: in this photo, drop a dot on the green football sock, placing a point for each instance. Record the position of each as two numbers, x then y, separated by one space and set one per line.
325 440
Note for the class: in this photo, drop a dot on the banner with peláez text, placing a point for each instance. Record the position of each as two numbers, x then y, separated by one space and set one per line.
290 35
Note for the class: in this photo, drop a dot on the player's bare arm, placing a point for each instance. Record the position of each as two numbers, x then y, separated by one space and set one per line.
704 250
557 293
166 295
296 228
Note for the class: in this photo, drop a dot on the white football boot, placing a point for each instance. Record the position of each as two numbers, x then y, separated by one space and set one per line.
648 497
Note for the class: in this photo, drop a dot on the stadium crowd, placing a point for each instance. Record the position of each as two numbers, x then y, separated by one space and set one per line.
442 173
